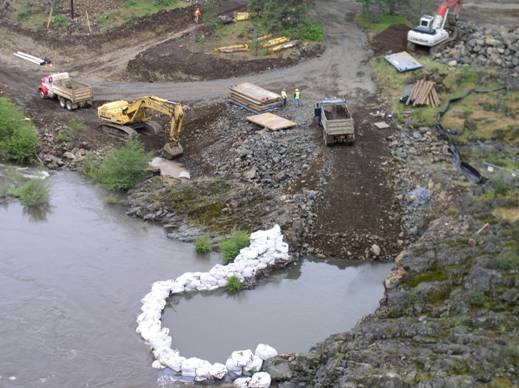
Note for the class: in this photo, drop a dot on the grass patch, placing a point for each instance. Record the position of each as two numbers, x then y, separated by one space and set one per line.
60 22
380 23
112 199
32 193
134 9
121 169
230 248
233 284
18 139
203 245
480 299
432 276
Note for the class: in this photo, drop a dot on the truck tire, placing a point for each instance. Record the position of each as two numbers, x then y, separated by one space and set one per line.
70 105
42 94
62 102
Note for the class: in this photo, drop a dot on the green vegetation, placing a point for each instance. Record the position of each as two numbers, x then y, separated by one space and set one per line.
121 169
231 247
203 245
493 114
286 18
210 15
22 14
112 199
18 138
380 23
432 276
233 284
75 128
60 22
32 193
135 9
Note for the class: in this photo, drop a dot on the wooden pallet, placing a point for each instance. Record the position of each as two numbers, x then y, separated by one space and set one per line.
271 121
423 93
254 98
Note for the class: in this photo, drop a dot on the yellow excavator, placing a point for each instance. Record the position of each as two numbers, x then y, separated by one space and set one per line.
123 120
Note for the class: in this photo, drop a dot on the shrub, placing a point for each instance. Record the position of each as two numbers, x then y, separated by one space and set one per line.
203 245
32 193
61 21
90 166
21 145
18 139
122 167
22 14
230 248
233 284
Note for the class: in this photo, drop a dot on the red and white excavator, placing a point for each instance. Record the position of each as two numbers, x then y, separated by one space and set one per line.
432 33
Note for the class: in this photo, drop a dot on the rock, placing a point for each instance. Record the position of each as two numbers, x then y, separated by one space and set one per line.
278 368
453 63
375 249
69 156
251 174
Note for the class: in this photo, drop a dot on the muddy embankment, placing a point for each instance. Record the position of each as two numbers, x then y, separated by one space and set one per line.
171 61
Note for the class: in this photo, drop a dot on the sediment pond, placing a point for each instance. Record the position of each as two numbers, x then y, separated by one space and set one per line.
72 276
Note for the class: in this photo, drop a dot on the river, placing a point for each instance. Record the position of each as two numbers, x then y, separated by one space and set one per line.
71 280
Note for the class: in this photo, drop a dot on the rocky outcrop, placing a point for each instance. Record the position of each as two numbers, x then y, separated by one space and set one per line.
449 316
484 46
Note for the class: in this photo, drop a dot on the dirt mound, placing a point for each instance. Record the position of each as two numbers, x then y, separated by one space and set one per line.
391 40
171 61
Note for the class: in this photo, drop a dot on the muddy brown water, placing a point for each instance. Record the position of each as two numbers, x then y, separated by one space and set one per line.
71 279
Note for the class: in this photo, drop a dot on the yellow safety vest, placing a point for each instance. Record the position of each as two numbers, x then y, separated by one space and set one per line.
297 94
284 94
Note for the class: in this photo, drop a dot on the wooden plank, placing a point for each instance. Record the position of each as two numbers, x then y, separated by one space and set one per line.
255 92
271 121
251 101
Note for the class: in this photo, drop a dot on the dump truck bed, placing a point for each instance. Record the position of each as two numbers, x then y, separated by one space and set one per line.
73 90
336 120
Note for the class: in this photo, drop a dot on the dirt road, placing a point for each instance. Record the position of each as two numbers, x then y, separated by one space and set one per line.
341 70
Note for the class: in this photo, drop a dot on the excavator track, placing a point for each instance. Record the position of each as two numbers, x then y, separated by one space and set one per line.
118 132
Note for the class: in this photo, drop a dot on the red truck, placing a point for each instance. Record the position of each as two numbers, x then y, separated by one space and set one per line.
70 94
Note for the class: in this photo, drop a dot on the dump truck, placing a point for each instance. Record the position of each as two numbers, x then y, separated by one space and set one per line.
71 94
336 120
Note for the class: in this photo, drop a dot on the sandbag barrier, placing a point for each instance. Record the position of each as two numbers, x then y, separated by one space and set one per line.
266 250
466 169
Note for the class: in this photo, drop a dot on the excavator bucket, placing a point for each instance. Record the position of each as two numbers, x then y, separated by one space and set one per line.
172 151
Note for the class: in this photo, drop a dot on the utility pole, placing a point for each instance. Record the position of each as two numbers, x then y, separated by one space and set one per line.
72 9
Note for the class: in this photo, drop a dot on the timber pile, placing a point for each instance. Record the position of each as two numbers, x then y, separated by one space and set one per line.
423 93
254 98
271 121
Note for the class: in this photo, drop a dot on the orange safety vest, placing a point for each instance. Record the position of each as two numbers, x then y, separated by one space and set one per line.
198 13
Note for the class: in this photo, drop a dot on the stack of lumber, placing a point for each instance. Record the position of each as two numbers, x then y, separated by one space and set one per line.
271 121
423 93
254 98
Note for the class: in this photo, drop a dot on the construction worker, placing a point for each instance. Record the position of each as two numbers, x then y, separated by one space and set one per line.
284 96
297 97
198 14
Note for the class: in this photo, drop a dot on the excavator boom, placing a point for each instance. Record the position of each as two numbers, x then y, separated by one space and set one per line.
126 116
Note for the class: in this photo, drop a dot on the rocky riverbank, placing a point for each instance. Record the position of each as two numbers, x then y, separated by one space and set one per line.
449 316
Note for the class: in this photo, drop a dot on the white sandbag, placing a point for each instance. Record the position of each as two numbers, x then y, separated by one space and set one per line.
218 371
253 365
203 372
242 357
157 365
260 380
190 365
233 367
177 288
208 279
242 382
265 352
171 359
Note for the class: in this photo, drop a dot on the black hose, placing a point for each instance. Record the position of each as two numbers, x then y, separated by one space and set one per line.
471 173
